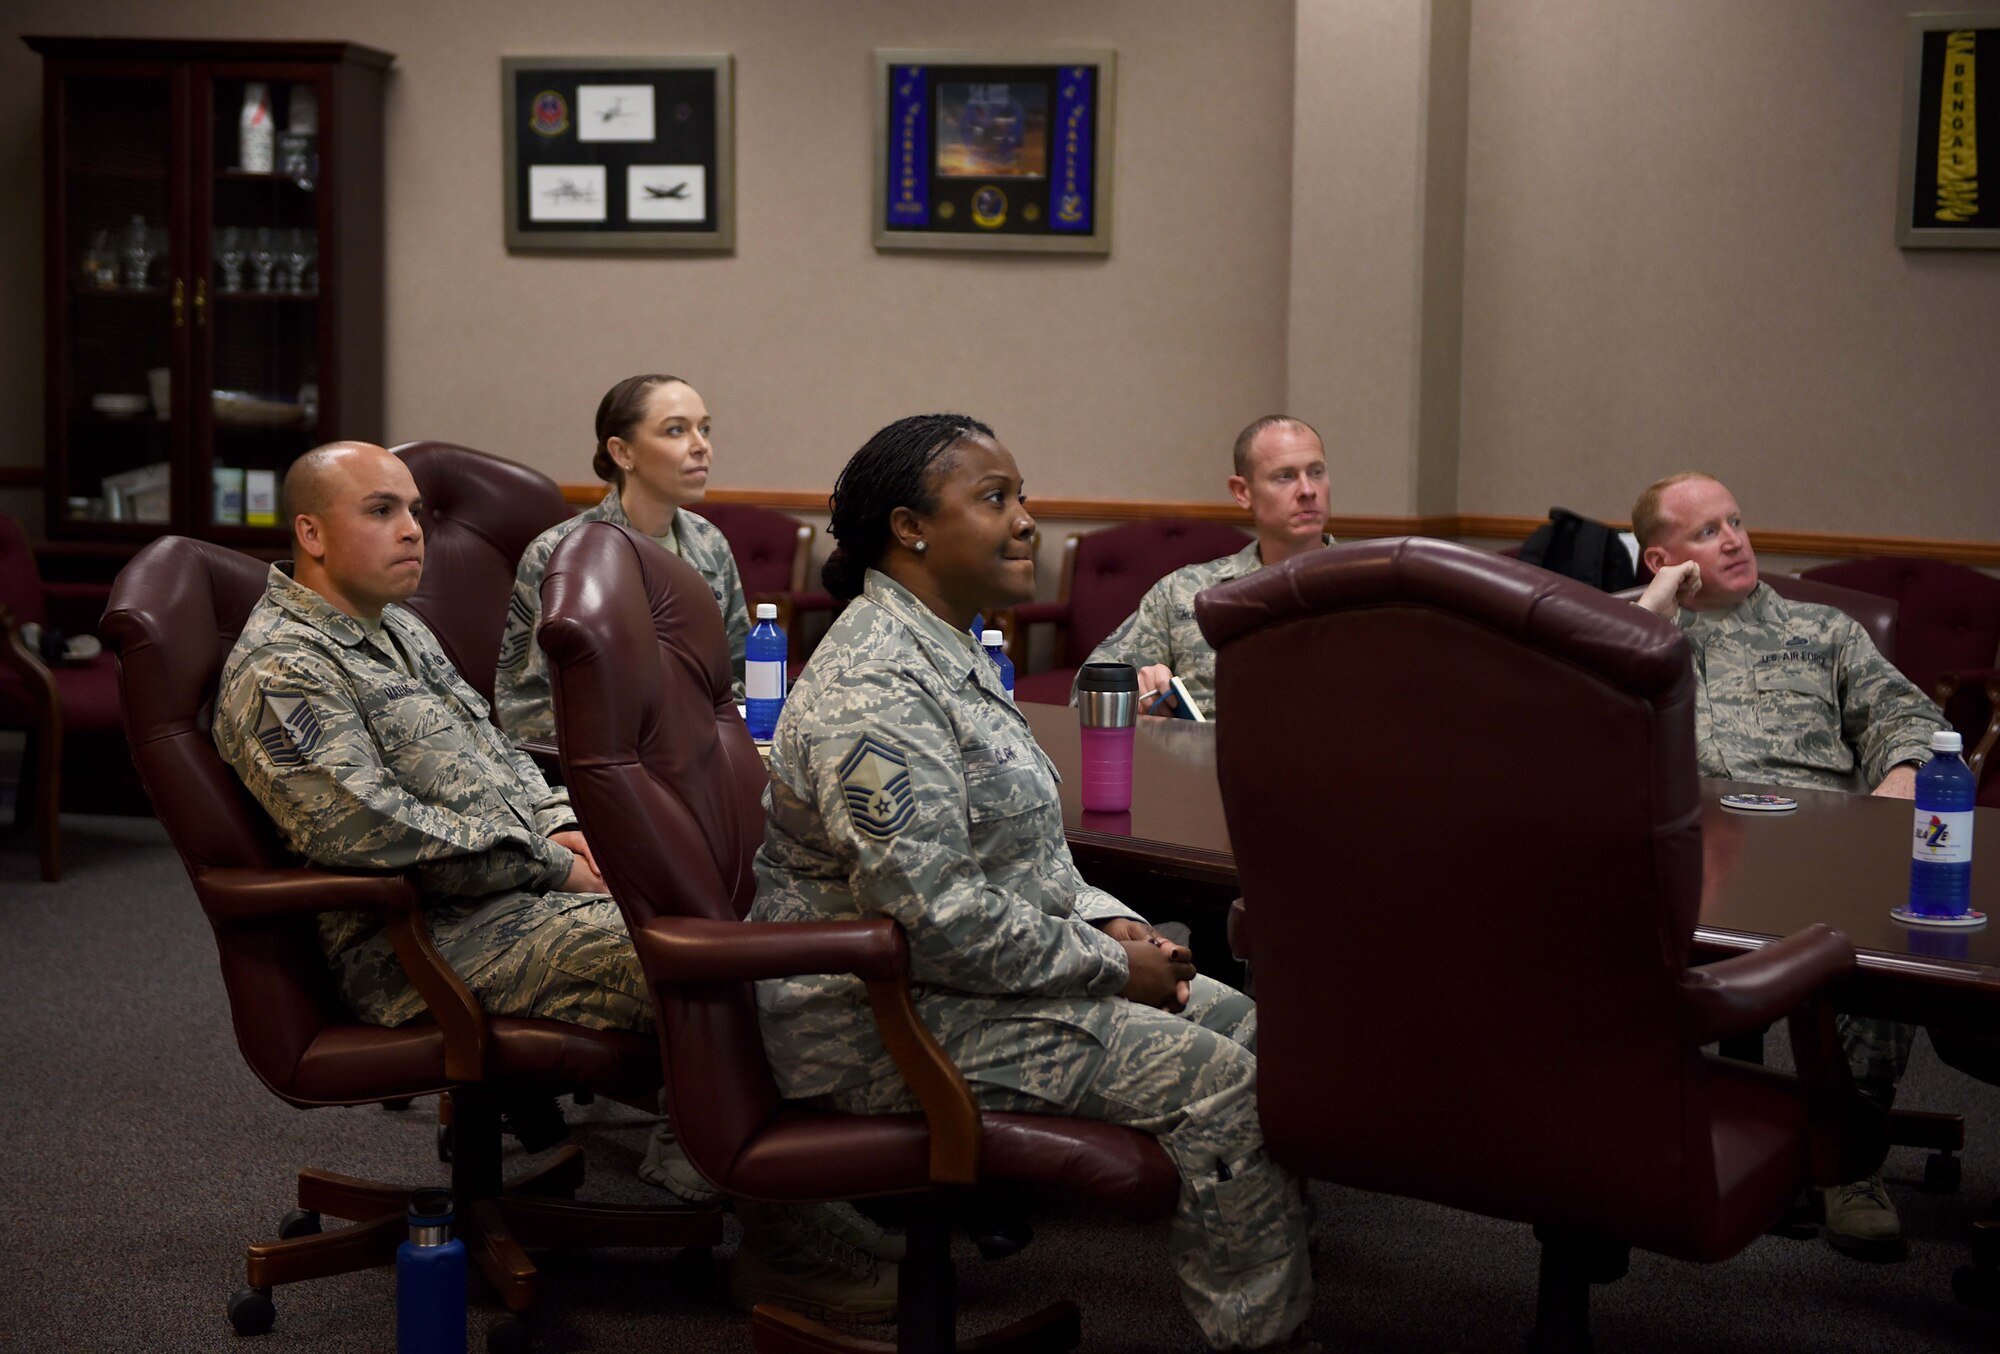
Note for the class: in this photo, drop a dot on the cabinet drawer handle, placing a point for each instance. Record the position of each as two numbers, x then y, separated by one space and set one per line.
200 302
180 288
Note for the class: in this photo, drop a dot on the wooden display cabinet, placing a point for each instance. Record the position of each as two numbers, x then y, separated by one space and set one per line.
210 315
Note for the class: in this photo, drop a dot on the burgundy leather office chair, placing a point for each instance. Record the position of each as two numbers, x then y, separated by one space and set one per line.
669 789
1949 643
50 704
773 552
175 612
1558 915
1104 574
480 514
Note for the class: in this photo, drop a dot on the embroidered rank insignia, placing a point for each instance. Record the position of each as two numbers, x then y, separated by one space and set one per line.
514 647
875 777
289 730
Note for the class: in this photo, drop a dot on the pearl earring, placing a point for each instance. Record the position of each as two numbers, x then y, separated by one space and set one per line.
921 546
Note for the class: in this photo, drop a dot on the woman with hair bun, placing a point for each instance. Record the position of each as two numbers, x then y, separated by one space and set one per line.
653 449
905 784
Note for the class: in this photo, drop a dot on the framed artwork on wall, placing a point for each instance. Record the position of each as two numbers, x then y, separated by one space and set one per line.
1942 201
619 152
994 150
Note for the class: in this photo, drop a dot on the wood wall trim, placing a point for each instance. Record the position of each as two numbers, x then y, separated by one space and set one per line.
1980 554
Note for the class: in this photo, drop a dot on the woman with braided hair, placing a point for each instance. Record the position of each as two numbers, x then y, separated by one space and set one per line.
905 784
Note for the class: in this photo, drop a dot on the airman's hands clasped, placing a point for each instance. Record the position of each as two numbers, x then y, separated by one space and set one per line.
1160 969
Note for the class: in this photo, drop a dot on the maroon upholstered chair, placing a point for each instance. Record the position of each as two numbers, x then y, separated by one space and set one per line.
1104 574
1558 913
176 610
46 702
1949 642
669 789
480 514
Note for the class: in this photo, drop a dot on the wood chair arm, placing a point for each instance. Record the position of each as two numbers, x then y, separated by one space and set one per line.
451 1002
19 657
1979 757
703 950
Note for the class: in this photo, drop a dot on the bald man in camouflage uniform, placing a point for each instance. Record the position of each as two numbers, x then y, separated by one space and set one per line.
521 682
1280 477
351 727
906 784
1791 694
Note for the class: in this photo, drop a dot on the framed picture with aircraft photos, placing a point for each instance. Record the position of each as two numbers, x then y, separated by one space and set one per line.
619 152
994 150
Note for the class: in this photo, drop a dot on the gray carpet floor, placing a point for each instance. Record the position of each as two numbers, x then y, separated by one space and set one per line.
140 1155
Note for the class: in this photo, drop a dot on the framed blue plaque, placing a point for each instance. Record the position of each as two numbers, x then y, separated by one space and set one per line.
994 150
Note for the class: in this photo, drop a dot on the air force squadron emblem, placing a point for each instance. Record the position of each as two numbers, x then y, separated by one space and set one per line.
875 778
289 730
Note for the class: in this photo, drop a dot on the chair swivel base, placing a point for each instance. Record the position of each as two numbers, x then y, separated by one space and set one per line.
1056 1329
534 1209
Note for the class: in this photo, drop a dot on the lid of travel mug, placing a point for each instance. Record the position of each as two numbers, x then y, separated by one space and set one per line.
1107 677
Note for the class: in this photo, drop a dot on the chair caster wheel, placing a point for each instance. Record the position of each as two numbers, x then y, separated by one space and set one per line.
396 1106
1941 1173
298 1222
508 1334
250 1311
583 1097
1976 1288
444 1142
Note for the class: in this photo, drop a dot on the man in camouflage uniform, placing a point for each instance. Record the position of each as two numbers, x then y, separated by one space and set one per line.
1792 694
521 682
350 726
1281 478
905 784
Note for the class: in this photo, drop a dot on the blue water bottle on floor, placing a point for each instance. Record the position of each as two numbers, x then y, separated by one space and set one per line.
764 674
1941 851
430 1280
991 640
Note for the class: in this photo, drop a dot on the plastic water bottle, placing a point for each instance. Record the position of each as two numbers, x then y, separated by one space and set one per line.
430 1280
992 642
1941 852
764 674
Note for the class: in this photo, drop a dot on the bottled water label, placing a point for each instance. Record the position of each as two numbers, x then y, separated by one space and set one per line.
1944 838
764 681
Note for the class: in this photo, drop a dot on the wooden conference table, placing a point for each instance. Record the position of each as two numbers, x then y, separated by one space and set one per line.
1837 858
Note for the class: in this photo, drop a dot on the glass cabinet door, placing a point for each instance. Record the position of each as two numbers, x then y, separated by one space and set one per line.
123 300
260 320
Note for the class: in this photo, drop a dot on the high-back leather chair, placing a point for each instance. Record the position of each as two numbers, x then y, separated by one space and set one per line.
1104 574
668 787
773 552
1948 642
176 611
1553 907
480 514
45 702
1877 615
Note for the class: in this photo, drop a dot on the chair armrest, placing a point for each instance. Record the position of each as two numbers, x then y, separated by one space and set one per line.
1238 930
703 950
17 656
451 1002
239 895
1752 990
1986 680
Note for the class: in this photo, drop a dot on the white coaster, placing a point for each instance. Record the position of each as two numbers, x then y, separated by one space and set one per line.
1973 917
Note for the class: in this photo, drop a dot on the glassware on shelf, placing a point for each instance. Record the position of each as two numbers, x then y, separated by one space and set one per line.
301 251
231 248
99 265
263 256
137 253
256 139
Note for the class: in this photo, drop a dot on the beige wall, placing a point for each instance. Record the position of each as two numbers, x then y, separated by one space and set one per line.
1675 247
1110 377
1680 252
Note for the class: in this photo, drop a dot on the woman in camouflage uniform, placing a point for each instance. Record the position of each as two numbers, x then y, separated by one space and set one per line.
653 449
905 784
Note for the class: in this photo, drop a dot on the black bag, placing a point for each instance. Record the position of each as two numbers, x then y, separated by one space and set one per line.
1583 549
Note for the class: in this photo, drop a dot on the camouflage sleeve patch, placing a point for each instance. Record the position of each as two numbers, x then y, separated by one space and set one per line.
520 631
288 728
875 779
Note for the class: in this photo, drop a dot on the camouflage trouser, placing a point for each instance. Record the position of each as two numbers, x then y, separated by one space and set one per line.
1877 1050
1239 1229
561 956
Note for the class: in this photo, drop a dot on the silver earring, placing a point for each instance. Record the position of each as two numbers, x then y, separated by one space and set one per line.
921 546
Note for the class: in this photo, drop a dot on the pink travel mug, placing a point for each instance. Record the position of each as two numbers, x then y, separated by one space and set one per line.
1107 707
